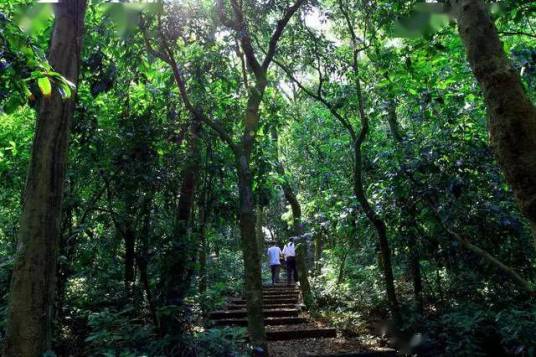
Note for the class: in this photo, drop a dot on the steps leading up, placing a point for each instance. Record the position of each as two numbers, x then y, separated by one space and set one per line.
265 306
269 321
388 353
284 335
284 322
218 315
267 301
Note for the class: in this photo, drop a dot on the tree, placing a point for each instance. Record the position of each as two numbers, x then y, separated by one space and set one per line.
33 284
512 115
357 135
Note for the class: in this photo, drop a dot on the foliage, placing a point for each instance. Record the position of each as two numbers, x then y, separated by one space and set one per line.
130 144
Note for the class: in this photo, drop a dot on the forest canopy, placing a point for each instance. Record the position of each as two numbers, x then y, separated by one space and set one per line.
153 152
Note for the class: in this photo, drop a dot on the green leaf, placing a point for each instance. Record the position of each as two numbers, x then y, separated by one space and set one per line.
44 86
65 91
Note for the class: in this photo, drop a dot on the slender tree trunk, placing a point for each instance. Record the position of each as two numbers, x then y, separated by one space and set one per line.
340 277
142 260
259 232
319 242
250 251
415 270
129 237
203 279
33 284
512 116
381 231
204 212
414 256
181 257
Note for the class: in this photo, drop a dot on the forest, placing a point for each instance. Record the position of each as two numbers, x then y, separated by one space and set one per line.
267 178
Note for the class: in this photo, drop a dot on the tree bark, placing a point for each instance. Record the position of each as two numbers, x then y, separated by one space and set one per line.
259 232
381 231
33 284
129 236
250 251
180 259
512 116
319 245
414 256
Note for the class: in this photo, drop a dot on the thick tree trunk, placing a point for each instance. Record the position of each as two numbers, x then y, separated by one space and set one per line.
512 116
33 283
250 251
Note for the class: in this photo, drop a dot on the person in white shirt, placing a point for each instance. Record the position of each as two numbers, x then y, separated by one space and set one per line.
289 251
274 254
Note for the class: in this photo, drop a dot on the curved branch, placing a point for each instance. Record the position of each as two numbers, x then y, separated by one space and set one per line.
281 24
317 96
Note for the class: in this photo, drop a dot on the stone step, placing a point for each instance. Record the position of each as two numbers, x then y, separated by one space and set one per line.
267 321
267 307
388 353
280 291
280 296
218 315
270 301
284 335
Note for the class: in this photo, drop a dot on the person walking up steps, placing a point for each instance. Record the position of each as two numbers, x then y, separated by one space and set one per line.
274 254
289 251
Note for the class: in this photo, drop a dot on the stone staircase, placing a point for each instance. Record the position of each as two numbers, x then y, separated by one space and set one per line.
284 319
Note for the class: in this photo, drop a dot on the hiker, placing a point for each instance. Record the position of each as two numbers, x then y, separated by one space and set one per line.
289 251
274 254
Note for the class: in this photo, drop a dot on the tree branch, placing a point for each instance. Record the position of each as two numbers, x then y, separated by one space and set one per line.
169 58
517 33
319 98
276 35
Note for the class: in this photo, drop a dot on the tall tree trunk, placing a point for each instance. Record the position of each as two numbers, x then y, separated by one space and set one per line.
319 246
180 259
381 232
411 210
129 236
512 116
203 279
259 232
250 251
33 284
415 270
340 277
142 260
204 212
